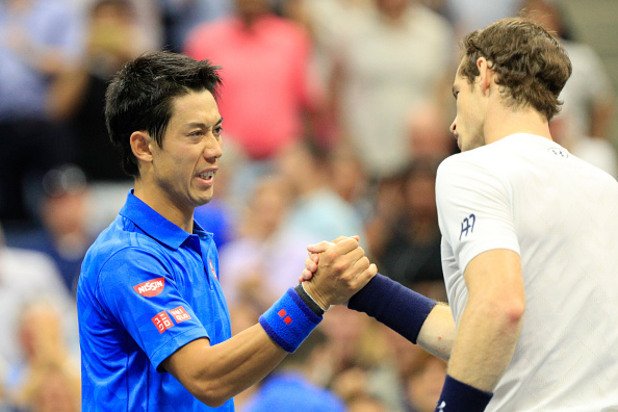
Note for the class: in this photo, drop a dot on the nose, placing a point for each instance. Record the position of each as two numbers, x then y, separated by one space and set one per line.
453 127
213 150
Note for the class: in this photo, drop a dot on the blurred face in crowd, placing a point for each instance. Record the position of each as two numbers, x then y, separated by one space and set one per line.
392 8
182 170
251 8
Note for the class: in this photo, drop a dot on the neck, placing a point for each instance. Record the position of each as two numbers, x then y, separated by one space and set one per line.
503 121
163 205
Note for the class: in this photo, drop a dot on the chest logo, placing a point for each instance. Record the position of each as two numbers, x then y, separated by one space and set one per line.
467 225
150 288
212 269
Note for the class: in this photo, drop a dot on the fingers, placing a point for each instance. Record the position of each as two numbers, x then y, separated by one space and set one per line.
319 247
324 245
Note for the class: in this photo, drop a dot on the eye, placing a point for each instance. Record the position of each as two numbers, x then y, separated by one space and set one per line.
197 132
217 130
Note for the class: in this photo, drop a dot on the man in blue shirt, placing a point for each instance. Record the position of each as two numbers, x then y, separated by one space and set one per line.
154 325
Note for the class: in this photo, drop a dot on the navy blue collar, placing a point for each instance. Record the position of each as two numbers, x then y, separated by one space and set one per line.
155 225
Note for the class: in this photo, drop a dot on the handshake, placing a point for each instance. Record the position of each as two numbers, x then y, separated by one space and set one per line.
335 271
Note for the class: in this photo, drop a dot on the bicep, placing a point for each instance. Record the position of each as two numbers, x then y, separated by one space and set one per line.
495 276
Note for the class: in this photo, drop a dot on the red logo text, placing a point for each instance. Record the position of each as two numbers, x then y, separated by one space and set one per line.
150 288
179 314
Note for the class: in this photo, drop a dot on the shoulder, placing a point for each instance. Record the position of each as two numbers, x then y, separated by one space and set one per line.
117 250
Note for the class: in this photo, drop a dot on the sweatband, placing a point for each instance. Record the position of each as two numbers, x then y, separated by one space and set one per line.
401 309
312 304
289 321
458 396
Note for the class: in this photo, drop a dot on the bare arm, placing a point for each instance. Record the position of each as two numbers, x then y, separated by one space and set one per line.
490 324
214 374
438 332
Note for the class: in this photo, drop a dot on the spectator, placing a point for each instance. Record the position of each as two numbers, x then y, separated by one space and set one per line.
318 211
411 247
39 39
263 261
48 380
79 94
180 17
27 277
394 59
424 384
64 236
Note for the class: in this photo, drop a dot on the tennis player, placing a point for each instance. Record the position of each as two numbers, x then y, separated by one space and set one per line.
154 325
529 250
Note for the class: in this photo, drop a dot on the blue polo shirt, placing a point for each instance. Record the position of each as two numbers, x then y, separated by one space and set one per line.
146 289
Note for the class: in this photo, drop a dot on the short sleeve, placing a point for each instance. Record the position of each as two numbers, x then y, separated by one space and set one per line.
475 210
140 291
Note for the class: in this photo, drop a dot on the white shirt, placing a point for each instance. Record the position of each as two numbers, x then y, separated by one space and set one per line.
528 194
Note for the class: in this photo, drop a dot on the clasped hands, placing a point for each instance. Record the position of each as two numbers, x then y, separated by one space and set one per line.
335 271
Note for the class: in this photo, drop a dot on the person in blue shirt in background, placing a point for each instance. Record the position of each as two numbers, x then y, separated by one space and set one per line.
154 325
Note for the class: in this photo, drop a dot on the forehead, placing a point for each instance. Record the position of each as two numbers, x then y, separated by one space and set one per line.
193 106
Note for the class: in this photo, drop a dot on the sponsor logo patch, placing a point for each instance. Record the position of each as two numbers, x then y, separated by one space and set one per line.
150 288
179 314
162 321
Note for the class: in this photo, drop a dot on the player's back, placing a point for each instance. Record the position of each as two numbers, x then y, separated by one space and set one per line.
565 215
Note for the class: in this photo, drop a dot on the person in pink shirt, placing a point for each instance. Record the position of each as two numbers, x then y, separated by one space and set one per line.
267 90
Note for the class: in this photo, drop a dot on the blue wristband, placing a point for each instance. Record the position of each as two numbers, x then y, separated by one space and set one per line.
401 309
289 321
460 397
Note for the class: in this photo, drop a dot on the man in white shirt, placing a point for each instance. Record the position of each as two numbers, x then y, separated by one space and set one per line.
528 244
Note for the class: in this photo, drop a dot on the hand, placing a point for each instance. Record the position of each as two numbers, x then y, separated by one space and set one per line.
342 270
311 263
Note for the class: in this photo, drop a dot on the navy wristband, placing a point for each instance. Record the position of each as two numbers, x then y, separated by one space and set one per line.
401 309
457 396
289 321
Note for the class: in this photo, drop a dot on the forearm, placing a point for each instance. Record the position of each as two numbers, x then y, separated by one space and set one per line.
238 363
407 313
484 345
438 332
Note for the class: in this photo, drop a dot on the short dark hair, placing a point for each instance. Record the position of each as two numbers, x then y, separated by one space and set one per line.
530 63
140 97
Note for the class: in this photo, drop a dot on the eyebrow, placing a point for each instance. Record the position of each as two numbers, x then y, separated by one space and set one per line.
203 125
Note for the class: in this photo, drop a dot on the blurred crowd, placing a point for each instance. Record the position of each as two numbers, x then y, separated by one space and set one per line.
336 119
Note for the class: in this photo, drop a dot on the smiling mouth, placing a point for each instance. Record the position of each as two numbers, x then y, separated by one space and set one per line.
209 175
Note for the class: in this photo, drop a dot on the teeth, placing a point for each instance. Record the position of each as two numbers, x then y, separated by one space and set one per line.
207 175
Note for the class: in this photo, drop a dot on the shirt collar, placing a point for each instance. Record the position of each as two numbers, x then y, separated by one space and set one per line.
155 225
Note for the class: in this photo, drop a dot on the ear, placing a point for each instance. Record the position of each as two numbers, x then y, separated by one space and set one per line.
485 74
141 142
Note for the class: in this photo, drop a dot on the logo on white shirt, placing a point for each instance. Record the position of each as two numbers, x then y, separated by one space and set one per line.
467 226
